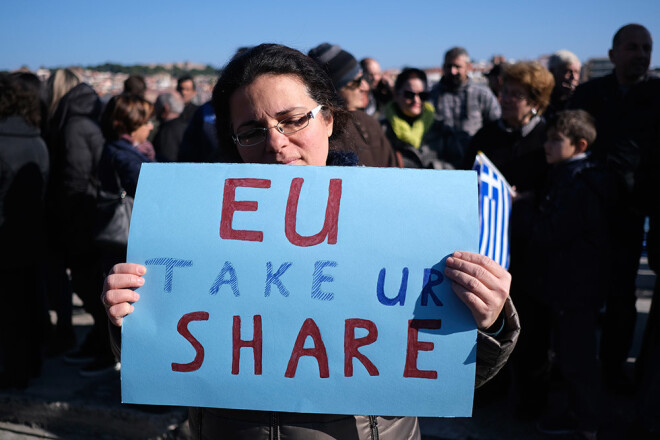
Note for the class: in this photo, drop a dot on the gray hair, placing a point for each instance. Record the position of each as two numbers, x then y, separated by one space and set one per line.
562 58
171 100
456 52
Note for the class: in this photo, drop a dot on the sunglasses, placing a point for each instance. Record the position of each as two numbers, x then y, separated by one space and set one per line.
423 96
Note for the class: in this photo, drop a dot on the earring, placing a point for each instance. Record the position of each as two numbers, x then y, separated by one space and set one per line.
534 112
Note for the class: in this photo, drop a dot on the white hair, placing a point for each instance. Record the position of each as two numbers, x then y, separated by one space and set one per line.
562 58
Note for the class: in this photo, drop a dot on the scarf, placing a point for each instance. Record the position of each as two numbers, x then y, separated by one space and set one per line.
145 147
410 134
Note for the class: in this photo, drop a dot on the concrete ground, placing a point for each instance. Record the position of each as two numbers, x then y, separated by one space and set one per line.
63 405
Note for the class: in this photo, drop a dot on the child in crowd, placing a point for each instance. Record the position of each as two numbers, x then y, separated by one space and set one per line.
566 249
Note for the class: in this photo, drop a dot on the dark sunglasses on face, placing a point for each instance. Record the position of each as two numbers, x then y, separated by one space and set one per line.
357 82
423 96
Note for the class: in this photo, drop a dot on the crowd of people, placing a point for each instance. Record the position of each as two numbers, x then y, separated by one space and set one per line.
579 156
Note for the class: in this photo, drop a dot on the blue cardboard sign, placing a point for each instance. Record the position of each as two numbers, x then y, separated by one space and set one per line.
301 289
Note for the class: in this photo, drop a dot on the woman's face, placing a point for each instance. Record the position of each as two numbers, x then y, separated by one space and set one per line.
142 133
408 99
356 93
265 102
516 106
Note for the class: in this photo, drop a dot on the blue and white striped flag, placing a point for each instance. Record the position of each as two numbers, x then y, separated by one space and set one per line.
494 211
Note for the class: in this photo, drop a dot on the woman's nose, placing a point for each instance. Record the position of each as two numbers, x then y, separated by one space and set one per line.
275 140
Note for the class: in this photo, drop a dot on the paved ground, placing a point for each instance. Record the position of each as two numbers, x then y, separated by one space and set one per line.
63 405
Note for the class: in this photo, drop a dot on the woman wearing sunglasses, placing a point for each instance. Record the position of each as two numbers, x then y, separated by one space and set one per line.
275 105
418 138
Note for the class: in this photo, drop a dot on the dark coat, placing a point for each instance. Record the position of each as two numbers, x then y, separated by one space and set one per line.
521 159
23 177
627 126
120 160
168 139
566 257
76 143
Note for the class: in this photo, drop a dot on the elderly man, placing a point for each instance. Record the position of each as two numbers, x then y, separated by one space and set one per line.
459 102
565 68
626 106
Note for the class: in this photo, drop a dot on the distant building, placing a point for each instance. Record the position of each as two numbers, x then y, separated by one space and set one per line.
595 68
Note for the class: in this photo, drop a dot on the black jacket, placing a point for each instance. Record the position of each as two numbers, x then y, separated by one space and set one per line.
566 237
76 143
23 176
627 123
521 159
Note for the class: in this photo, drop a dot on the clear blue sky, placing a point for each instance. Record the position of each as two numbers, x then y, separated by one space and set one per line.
416 33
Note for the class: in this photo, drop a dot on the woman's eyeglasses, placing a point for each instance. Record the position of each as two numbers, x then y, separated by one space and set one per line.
407 94
288 125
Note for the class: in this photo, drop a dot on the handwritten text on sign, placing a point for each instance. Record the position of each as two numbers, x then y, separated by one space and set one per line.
306 289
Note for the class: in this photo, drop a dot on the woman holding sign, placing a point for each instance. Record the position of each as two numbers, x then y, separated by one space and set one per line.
276 105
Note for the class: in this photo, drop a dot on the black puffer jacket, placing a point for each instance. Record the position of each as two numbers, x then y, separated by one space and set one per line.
76 144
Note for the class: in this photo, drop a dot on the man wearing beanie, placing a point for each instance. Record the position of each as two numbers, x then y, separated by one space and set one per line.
365 134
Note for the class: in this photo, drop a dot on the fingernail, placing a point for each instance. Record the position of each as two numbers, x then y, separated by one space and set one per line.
450 260
140 281
136 296
142 270
458 254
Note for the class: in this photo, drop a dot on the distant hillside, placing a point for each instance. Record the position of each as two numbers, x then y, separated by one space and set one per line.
176 70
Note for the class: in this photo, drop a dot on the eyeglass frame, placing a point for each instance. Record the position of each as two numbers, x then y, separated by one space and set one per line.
310 115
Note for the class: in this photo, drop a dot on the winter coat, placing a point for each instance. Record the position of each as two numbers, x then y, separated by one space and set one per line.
76 143
567 237
627 126
369 142
23 177
518 154
120 160
439 148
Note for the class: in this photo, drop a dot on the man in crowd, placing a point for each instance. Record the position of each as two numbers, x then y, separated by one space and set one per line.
565 68
459 102
626 105
185 85
380 88
168 109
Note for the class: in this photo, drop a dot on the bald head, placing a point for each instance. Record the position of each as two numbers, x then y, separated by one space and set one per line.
632 46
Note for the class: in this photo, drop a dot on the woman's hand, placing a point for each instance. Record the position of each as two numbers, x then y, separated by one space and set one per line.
482 284
117 296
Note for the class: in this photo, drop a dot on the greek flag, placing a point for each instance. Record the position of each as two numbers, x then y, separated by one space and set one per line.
494 211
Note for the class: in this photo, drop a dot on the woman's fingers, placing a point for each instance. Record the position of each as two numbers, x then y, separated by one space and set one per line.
482 285
117 296
117 312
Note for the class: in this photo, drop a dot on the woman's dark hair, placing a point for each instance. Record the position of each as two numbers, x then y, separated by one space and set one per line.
130 113
19 96
408 73
246 66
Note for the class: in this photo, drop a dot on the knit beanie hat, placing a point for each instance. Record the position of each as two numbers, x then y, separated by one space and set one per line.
341 66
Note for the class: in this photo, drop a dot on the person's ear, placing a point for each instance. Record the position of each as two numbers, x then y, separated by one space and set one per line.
581 146
329 123
610 54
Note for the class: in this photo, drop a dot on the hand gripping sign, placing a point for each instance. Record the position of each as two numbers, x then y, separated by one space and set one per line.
301 289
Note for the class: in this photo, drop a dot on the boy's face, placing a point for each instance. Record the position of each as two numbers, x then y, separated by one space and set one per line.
558 147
